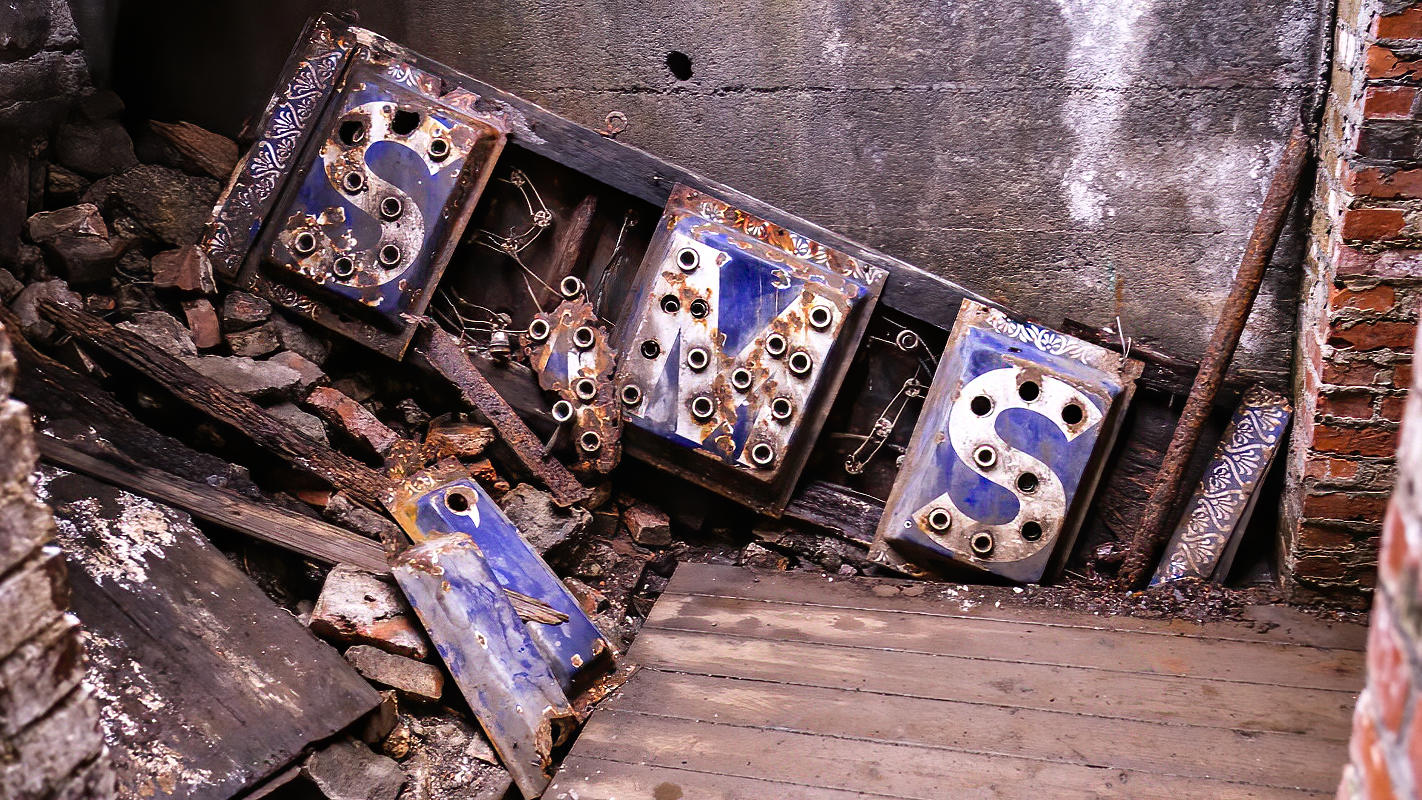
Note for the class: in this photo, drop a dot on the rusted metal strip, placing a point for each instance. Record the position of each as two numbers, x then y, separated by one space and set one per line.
1152 528
443 354
222 404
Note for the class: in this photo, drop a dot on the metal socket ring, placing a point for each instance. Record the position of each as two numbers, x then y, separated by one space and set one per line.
562 411
775 345
801 363
305 243
439 149
391 207
702 408
821 317
353 182
781 409
343 267
583 337
939 519
688 259
570 287
590 441
585 389
697 358
631 395
741 379
985 457
982 543
538 329
762 454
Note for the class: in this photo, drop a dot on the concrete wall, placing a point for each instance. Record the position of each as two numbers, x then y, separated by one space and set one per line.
1069 157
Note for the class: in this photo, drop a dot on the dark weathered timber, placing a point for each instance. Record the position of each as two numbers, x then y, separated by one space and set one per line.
61 393
222 404
309 537
573 239
843 512
1167 373
210 687
821 686
442 354
1151 531
643 175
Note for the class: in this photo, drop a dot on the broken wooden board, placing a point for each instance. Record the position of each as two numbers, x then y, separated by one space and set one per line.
207 686
759 684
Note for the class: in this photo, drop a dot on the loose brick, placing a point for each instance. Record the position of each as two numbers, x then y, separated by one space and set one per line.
1381 62
1331 470
1318 567
203 322
647 525
1312 536
356 607
1389 102
1392 407
1354 372
1377 442
1357 506
414 680
1373 224
1377 298
1406 24
1347 403
1371 182
1388 676
351 418
1374 335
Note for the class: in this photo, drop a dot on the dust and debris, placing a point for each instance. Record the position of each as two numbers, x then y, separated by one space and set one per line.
142 529
127 697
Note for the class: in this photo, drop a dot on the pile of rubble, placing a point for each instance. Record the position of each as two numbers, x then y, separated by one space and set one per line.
117 240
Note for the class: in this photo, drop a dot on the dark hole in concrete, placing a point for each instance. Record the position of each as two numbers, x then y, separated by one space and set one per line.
680 65
404 123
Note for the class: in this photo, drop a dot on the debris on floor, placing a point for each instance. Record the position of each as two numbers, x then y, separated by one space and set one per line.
371 465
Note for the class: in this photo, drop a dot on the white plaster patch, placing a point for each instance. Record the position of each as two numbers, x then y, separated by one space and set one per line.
141 531
835 47
1108 43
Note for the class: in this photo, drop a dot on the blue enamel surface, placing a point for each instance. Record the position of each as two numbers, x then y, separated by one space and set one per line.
976 352
515 565
403 167
747 300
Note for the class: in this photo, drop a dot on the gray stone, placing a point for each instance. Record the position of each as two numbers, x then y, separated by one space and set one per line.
311 375
341 510
169 205
10 286
356 607
348 770
381 722
297 339
546 526
26 307
77 242
241 311
24 27
259 380
63 186
162 330
307 424
253 342
414 680
94 148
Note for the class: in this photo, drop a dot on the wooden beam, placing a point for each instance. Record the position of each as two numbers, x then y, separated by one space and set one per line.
301 534
222 404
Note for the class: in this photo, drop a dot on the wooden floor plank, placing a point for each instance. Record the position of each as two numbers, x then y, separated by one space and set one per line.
1248 707
759 685
1275 624
877 768
1001 640
1279 760
587 778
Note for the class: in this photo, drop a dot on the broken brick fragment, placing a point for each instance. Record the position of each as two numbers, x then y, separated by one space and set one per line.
357 607
311 375
186 268
241 311
197 149
351 418
414 680
203 322
254 342
647 525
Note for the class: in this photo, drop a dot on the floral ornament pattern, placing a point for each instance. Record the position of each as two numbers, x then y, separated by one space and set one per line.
1203 543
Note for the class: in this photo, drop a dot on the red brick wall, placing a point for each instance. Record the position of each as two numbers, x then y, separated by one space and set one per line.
1386 749
1362 289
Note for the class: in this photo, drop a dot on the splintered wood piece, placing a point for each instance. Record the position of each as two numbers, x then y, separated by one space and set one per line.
443 354
222 404
309 537
208 687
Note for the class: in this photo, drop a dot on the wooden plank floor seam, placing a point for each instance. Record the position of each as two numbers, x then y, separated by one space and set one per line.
758 685
1185 677
966 751
672 591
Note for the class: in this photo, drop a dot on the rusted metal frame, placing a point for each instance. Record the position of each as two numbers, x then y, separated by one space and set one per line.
442 354
222 404
1152 529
